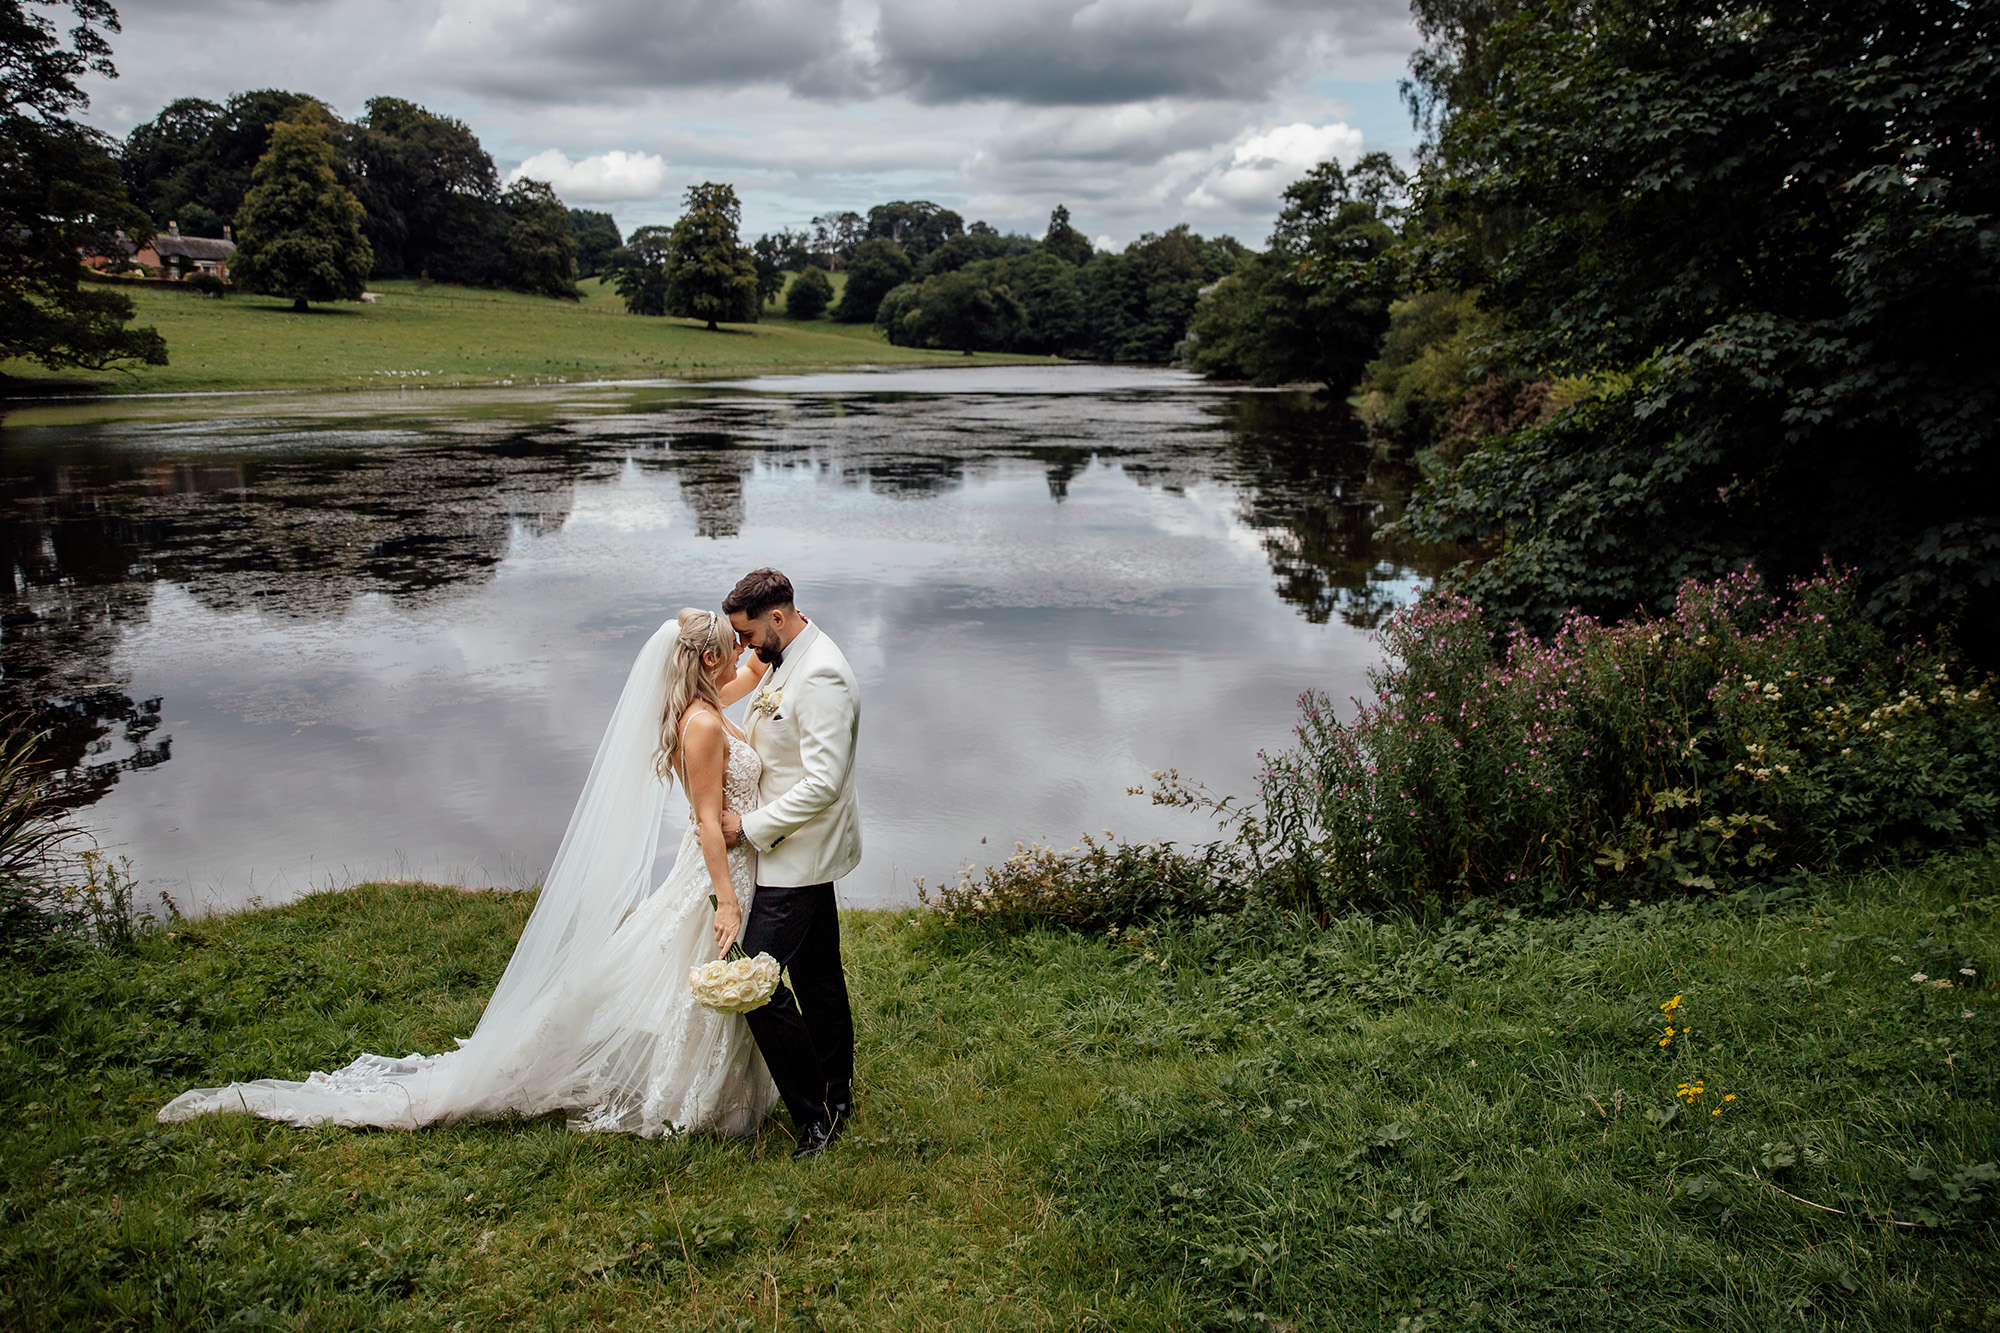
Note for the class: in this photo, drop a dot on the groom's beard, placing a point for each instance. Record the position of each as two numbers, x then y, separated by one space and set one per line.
771 654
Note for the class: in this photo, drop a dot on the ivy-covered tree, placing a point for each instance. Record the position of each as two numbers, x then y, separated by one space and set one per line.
541 253
301 228
60 197
1762 244
710 275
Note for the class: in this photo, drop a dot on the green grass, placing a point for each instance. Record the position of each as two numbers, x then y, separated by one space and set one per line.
1390 1124
422 333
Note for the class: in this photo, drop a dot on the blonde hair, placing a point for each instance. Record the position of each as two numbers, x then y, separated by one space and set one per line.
688 680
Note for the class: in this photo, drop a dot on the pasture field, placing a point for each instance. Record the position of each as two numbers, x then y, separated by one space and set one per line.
423 333
1388 1123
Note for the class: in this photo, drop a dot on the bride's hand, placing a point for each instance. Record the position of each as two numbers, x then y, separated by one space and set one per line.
728 923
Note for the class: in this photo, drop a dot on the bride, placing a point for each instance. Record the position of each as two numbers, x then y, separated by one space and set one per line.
593 1015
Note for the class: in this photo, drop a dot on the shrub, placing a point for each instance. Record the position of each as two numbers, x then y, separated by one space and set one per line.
809 295
1091 887
1743 731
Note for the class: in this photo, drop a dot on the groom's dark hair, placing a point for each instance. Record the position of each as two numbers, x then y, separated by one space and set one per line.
758 591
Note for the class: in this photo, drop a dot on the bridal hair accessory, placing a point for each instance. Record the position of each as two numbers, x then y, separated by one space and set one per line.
735 983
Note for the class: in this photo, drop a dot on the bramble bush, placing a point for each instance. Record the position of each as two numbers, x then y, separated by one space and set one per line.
1745 731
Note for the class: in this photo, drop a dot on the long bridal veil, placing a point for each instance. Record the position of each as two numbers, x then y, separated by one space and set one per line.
533 1049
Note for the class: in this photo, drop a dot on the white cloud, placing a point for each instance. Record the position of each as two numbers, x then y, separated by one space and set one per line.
601 178
1263 165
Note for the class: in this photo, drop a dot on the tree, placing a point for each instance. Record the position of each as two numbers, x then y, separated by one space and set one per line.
967 310
431 196
876 267
301 229
1138 303
639 270
192 163
979 241
1316 306
541 253
710 276
1066 242
916 226
1758 240
777 255
1051 302
834 237
595 236
810 294
60 196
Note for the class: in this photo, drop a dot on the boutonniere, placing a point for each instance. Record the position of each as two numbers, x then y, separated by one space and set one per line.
767 702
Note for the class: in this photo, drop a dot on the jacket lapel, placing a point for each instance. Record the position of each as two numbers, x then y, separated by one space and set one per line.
777 679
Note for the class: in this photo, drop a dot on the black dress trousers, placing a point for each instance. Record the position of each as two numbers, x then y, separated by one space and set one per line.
807 1039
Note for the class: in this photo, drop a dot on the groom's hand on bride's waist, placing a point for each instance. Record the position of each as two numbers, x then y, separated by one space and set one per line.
732 827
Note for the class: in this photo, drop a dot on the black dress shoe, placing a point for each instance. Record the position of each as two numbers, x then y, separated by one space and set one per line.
813 1140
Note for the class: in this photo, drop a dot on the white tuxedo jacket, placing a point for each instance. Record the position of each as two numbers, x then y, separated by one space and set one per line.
807 825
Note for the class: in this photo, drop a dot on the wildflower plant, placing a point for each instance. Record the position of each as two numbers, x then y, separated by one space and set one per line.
1748 731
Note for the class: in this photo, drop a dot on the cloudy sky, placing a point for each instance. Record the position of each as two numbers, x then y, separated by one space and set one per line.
1137 114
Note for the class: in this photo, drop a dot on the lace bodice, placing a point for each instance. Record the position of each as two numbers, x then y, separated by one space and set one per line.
739 792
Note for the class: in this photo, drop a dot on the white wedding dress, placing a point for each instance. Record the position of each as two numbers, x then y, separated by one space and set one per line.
593 1015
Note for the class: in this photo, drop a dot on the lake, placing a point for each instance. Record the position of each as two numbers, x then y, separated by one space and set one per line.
285 643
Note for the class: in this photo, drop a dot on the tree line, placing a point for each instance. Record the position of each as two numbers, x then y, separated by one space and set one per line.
1680 286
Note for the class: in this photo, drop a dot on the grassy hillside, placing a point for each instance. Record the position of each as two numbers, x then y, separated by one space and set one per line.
428 333
1389 1124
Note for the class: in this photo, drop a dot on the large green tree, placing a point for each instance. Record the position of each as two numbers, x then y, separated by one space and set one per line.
639 270
972 309
1138 302
192 163
60 197
916 226
431 196
301 228
877 267
1314 306
541 252
1763 241
1065 241
711 276
595 236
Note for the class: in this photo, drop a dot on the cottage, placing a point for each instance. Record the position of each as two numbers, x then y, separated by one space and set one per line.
177 256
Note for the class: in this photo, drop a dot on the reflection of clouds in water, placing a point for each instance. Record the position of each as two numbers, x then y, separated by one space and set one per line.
1045 598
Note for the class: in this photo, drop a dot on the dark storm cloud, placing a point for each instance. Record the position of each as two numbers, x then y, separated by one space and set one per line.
1096 52
1031 52
537 51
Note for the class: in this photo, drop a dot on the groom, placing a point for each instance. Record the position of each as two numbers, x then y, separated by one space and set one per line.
806 828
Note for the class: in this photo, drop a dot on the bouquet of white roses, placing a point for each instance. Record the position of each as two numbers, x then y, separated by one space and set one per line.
735 983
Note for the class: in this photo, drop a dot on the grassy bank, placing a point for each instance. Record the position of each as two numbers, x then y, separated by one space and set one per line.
1393 1124
428 333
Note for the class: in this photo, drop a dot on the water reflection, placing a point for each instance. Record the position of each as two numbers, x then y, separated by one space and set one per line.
276 646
